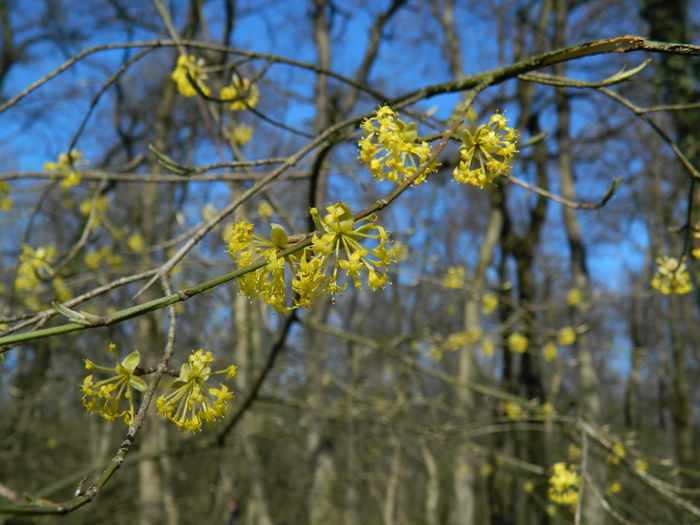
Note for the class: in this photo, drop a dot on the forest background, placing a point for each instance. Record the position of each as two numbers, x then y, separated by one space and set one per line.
517 366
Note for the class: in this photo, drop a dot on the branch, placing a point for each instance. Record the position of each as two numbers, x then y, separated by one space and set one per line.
566 202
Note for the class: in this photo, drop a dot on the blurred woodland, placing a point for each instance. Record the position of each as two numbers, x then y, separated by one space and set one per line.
533 354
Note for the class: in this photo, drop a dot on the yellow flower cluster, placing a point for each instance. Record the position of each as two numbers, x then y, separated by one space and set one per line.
247 247
455 277
458 340
391 150
549 352
105 397
618 453
61 289
564 484
32 263
315 270
241 134
243 94
188 71
513 410
567 336
671 276
517 343
93 259
486 153
5 199
574 297
192 401
66 166
489 303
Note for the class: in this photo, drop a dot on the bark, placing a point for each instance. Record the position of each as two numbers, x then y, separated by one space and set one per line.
432 487
678 82
588 382
464 475
392 486
154 491
248 328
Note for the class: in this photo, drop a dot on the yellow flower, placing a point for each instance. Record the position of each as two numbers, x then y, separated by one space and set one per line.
567 336
66 166
549 352
336 245
454 278
573 297
547 410
513 410
435 352
488 347
189 72
618 452
614 487
459 340
193 402
517 343
671 276
242 93
100 205
33 263
574 452
208 212
247 247
489 303
135 242
104 397
61 289
564 484
265 210
97 207
390 148
398 251
641 465
339 247
529 486
5 199
486 153
241 134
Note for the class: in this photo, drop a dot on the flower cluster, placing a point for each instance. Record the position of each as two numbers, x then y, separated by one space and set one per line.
241 92
192 401
66 166
105 397
240 134
33 263
188 73
567 336
517 343
391 150
5 199
550 352
489 303
671 276
315 270
618 452
454 278
247 247
564 484
486 153
458 340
